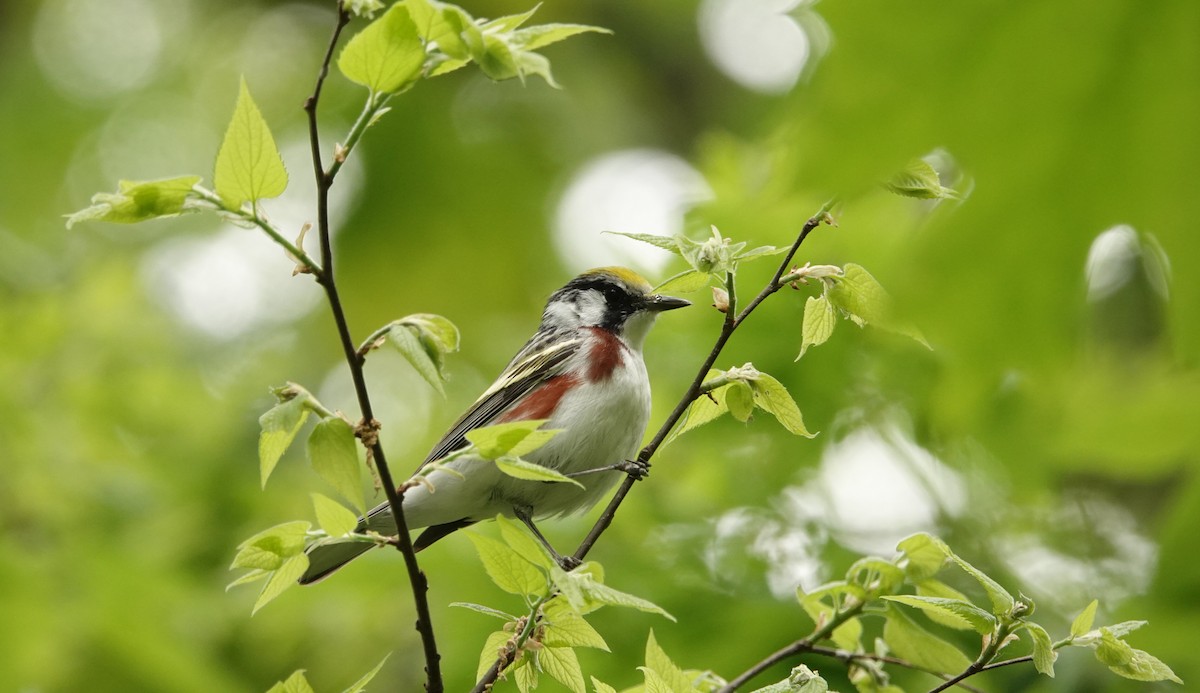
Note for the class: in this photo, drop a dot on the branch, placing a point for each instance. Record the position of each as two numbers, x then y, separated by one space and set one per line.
368 429
848 657
513 647
975 668
728 327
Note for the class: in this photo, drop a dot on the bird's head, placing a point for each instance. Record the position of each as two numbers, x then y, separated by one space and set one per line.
612 298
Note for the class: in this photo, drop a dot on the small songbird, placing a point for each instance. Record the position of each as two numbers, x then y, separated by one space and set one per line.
583 371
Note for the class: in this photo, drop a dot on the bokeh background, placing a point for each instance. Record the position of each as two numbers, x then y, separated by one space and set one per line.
1052 434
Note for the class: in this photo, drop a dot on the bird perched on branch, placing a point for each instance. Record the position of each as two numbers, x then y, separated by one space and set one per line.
583 372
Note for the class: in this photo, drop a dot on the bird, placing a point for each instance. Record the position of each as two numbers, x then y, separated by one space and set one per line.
583 372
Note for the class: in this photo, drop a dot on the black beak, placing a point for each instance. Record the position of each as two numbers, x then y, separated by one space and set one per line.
658 304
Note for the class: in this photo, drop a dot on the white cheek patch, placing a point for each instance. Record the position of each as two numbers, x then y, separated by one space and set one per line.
589 305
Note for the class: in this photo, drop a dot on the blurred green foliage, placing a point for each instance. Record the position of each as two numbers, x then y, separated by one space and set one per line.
128 440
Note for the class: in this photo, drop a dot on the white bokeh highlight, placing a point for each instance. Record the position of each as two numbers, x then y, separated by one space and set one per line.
754 42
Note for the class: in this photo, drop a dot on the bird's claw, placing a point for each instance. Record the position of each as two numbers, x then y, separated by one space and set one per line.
636 469
568 563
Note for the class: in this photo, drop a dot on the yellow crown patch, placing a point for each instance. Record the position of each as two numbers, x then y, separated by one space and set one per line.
623 274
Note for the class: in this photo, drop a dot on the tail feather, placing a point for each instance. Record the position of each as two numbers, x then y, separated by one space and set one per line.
324 558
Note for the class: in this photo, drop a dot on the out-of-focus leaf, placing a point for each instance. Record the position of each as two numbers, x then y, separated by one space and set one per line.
496 441
919 180
912 642
137 201
543 35
284 577
296 683
361 684
280 424
1131 663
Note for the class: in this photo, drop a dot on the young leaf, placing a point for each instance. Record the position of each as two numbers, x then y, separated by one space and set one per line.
543 35
496 59
599 686
248 164
1083 622
685 282
439 331
923 545
668 243
361 684
740 400
955 613
493 647
670 673
387 55
566 627
912 642
486 610
499 440
920 180
771 396
586 593
760 252
1043 649
268 549
332 516
137 201
864 299
1131 663
296 683
562 664
519 539
507 569
408 342
518 468
939 589
705 408
334 456
284 577
280 424
925 556
819 321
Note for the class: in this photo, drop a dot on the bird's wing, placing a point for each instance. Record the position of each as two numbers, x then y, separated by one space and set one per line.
541 359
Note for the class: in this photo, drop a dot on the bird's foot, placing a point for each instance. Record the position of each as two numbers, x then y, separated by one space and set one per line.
636 469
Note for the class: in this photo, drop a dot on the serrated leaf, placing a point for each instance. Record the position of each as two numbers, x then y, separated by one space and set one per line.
485 610
509 22
1131 663
860 295
359 685
760 252
815 605
542 35
137 201
772 397
268 549
702 410
670 673
875 575
501 439
955 613
507 569
668 243
566 627
492 647
740 400
925 556
525 674
520 540
406 339
585 592
912 642
440 331
1043 649
685 282
562 665
919 180
332 516
654 682
518 468
937 588
819 321
599 686
296 683
334 455
249 167
280 424
924 544
1083 622
387 55
284 577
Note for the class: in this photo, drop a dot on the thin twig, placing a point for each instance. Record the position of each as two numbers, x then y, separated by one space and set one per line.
509 654
848 657
975 669
730 324
324 180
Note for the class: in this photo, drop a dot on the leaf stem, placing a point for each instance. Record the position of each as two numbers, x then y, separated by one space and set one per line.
368 429
296 252
509 655
728 326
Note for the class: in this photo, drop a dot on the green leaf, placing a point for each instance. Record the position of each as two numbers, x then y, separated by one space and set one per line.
912 642
425 361
496 59
925 556
518 538
654 682
492 648
586 593
848 636
364 8
1043 649
137 201
524 674
486 610
252 576
284 577
1131 663
361 684
518 468
924 544
566 627
507 569
740 400
955 613
562 664
771 396
501 439
760 252
668 243
819 321
280 424
509 22
296 683
387 55
248 164
803 680
704 409
268 549
919 180
828 598
543 35
442 334
333 517
601 687
858 293
685 282
875 575
670 673
334 456
937 588
1083 622
443 25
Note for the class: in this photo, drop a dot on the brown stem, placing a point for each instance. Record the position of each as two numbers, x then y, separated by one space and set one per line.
324 179
975 668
